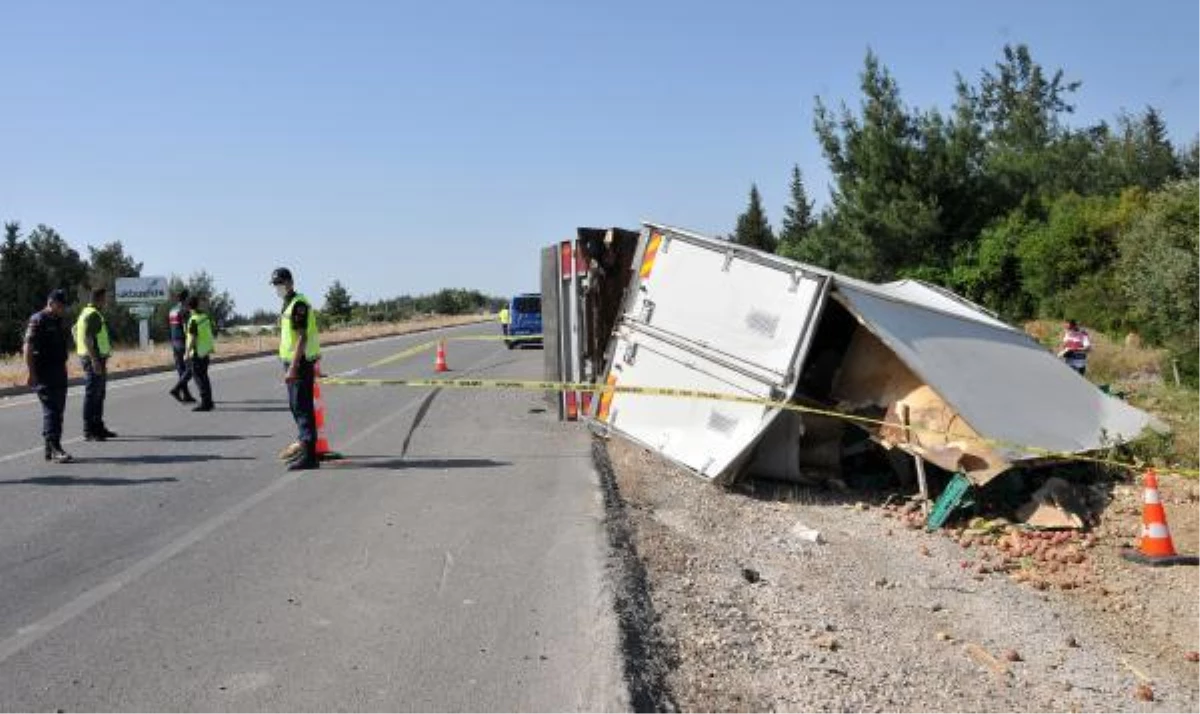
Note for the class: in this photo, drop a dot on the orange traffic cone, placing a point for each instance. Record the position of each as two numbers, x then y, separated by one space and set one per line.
1155 546
440 364
1156 537
324 453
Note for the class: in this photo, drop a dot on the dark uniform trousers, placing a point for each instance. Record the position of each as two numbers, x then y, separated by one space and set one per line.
300 399
54 402
181 364
95 388
199 371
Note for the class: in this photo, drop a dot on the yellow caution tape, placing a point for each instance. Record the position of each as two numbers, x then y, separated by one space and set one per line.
492 338
549 386
413 351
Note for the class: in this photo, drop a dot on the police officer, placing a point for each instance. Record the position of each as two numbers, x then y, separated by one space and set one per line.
94 347
46 352
300 349
178 322
199 348
505 319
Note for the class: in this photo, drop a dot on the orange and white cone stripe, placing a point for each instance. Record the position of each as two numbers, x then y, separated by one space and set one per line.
319 409
1155 540
439 364
1155 546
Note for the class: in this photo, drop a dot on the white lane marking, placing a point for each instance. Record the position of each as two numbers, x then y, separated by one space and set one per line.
447 564
167 376
34 450
32 633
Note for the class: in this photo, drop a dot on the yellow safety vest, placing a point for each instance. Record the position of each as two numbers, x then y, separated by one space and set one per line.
103 345
504 319
288 336
202 342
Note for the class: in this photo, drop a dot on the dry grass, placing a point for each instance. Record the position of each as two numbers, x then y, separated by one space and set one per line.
1179 407
12 369
1123 360
1137 371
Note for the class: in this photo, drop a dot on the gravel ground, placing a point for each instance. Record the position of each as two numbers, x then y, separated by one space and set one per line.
750 615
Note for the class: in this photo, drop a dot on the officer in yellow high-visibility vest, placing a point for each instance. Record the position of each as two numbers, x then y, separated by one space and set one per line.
299 349
505 320
94 347
199 348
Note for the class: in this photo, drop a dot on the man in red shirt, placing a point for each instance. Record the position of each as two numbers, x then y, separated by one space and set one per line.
1074 346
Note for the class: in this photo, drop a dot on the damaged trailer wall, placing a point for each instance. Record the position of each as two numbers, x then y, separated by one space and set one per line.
997 381
874 382
713 316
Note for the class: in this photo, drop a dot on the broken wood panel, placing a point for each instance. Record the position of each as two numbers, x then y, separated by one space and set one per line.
873 377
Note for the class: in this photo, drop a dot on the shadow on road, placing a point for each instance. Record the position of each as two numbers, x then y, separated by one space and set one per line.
194 437
254 401
75 481
365 462
159 459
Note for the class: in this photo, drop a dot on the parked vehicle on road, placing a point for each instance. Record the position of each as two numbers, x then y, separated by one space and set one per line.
525 311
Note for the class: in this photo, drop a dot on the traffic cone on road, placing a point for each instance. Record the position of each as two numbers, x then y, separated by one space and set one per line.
1156 536
324 453
440 364
1155 546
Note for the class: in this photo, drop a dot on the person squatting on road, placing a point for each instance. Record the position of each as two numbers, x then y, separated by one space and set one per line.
1074 346
46 352
199 348
177 321
93 346
299 349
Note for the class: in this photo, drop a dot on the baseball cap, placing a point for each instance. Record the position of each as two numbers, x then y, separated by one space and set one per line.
280 276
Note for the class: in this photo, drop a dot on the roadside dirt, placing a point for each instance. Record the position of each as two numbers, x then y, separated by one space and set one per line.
877 615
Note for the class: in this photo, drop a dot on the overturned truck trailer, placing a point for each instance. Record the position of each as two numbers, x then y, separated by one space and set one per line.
583 282
925 371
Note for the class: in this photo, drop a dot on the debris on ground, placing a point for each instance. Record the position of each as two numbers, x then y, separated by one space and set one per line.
806 534
885 616
1055 505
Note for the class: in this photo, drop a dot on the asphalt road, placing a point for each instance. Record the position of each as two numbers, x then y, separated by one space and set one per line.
454 562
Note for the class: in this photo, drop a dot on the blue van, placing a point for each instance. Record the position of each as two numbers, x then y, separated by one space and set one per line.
525 318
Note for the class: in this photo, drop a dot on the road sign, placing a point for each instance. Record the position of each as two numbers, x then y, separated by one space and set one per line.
131 291
142 311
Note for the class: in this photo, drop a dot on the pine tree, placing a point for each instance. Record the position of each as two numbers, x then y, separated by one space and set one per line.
1188 159
337 302
1158 156
886 217
753 230
22 287
798 220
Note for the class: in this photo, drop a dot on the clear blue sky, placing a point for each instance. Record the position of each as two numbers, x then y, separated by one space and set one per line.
407 146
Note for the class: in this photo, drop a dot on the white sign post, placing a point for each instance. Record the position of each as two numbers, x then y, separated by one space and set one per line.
142 294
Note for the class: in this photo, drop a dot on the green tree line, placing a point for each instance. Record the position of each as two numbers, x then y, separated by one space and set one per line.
1002 201
32 265
340 308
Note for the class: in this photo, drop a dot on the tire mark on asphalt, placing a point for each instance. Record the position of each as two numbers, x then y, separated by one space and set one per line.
425 404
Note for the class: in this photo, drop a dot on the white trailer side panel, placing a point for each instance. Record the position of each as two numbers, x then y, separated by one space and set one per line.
705 315
748 308
703 435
